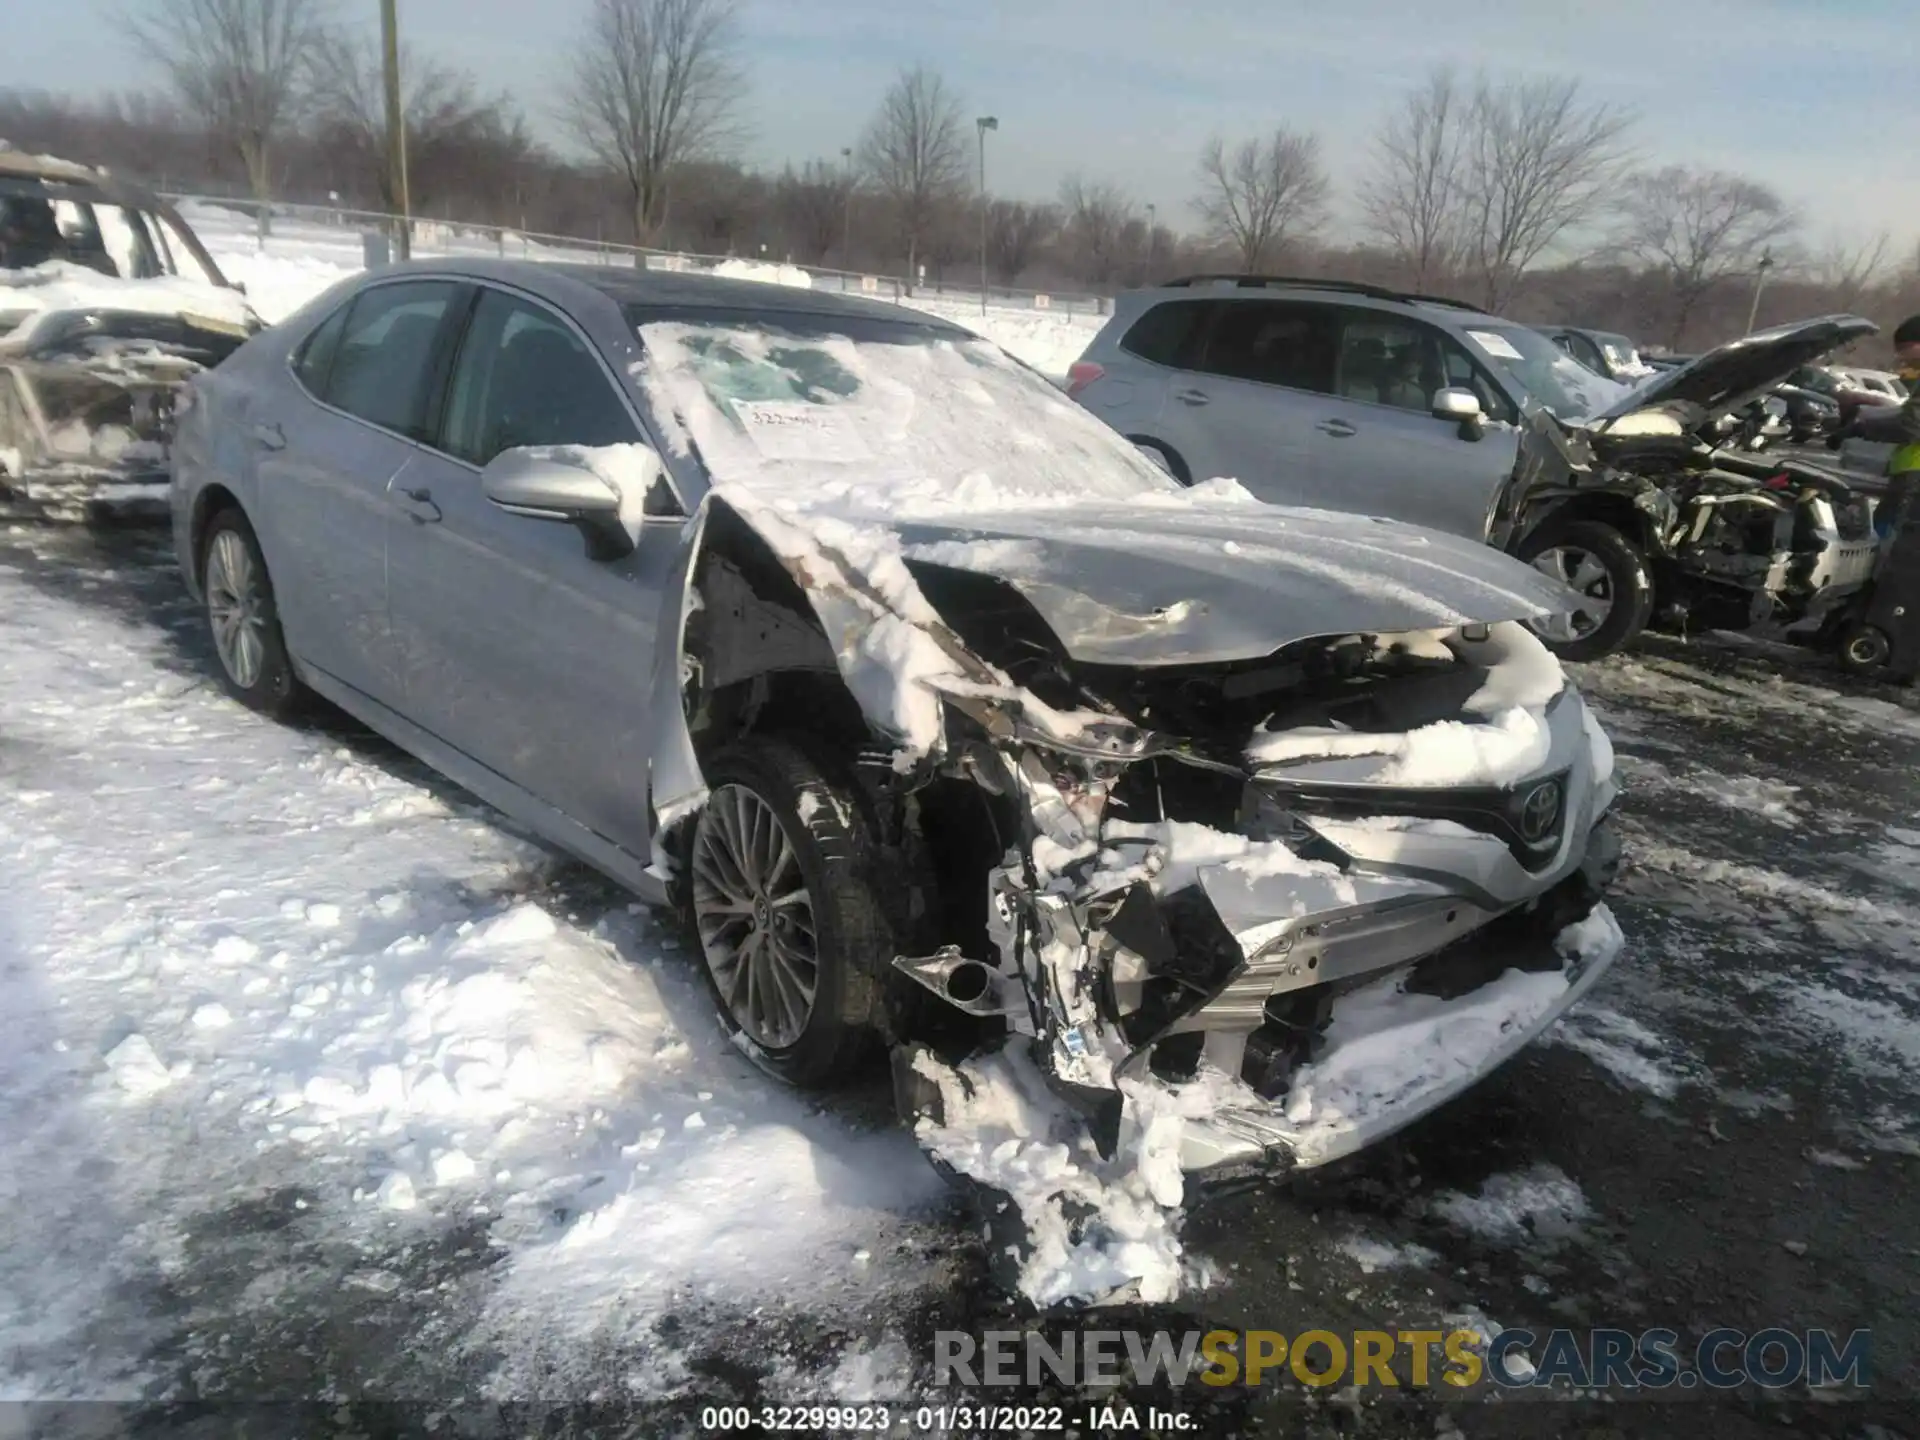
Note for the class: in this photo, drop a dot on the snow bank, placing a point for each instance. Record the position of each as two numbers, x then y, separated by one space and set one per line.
239 960
302 257
759 270
1048 340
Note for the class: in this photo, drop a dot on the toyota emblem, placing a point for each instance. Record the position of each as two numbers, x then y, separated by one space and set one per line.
1539 812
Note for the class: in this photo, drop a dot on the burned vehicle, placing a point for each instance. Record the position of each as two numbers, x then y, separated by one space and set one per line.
108 304
955 730
1666 485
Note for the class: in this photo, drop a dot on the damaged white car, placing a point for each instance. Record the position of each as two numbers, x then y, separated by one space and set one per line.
1239 836
108 304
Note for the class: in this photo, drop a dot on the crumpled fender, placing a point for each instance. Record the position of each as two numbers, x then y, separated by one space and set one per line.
675 783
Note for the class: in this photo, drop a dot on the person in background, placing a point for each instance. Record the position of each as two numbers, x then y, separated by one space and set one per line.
1898 426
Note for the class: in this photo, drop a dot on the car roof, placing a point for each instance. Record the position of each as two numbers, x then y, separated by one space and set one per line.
46 167
1438 308
626 285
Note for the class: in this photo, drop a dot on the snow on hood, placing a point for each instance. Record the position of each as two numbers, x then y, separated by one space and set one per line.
1505 737
1158 581
60 285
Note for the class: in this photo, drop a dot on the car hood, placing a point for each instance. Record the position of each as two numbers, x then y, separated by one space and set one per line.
1723 380
34 298
1179 583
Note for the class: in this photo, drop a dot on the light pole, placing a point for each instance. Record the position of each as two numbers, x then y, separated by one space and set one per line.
846 223
1153 237
1759 284
396 126
984 124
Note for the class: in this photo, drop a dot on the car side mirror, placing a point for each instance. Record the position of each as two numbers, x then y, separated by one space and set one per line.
1462 406
598 492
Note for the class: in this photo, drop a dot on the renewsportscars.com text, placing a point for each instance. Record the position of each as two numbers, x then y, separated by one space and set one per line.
1610 1359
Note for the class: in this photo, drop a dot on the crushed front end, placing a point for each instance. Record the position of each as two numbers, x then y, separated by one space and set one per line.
1758 540
1299 902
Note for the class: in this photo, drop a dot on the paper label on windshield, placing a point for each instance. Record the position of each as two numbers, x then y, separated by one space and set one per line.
795 430
1494 344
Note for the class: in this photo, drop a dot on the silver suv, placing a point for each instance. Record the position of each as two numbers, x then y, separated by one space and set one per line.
1349 396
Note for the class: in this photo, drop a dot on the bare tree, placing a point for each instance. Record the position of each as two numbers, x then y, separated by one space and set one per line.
812 207
1850 270
1699 228
1536 163
915 152
1096 229
1263 193
655 85
239 65
1412 200
1016 233
440 108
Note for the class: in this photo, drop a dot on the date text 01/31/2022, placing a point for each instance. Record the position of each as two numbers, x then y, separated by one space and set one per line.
965 1419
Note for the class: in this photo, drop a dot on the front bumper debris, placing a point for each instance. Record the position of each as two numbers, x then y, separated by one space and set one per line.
1241 980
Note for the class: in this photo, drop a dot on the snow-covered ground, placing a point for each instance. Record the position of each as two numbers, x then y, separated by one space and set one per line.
302 257
237 958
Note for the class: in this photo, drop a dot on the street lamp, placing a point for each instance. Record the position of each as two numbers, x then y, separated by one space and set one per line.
984 124
1153 237
846 225
1759 284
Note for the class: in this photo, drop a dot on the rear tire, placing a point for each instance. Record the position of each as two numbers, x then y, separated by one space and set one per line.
781 891
1864 649
248 646
1606 568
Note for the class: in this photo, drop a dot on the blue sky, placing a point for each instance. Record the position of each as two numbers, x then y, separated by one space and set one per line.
1821 98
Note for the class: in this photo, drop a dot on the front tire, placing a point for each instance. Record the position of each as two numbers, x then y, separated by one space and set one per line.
782 892
248 645
1163 458
1609 573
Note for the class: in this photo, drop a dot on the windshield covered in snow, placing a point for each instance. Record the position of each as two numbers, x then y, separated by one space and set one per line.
40 224
1546 372
883 412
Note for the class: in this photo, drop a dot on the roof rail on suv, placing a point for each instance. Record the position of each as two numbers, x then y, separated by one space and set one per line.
1351 287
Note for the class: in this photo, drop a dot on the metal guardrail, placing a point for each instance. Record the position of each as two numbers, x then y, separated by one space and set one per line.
463 237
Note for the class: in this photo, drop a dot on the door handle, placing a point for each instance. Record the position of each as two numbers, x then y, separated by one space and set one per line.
1340 428
1192 397
418 503
269 436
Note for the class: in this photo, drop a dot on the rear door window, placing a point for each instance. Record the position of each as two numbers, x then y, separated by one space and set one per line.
1274 342
383 370
1167 334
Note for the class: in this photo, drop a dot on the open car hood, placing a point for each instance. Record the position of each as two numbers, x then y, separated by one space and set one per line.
1174 584
1723 380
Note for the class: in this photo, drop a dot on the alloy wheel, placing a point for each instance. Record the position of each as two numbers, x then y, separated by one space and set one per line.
236 608
755 916
1582 572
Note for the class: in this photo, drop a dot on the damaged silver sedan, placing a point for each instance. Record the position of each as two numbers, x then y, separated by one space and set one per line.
954 728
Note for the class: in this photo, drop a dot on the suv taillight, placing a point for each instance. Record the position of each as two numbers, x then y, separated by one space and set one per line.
1081 374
